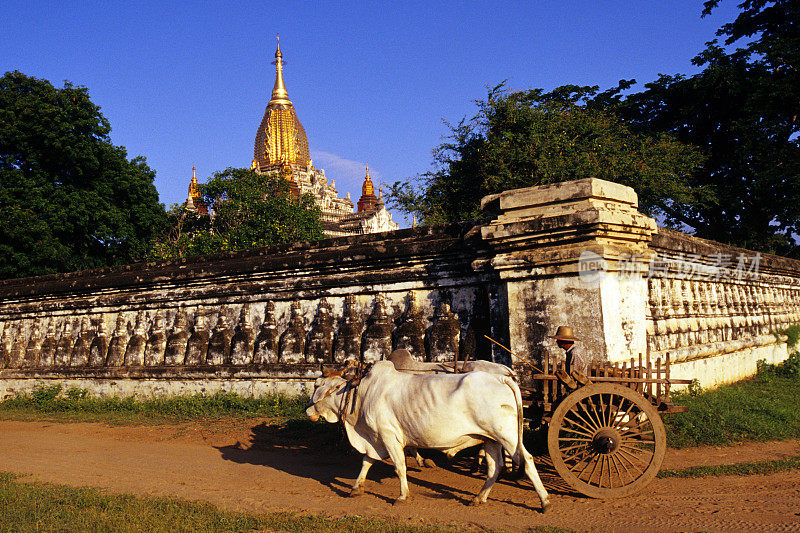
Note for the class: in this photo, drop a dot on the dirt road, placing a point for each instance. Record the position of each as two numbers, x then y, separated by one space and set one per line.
240 466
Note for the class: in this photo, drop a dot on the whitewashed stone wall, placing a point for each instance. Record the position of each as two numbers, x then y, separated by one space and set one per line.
576 253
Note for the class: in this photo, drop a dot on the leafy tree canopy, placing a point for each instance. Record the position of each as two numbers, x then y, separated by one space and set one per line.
249 210
742 109
520 139
69 198
716 153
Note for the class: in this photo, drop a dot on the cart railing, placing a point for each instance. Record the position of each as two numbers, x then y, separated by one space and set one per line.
650 378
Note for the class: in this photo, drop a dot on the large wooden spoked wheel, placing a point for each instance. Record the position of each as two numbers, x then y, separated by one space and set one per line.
606 440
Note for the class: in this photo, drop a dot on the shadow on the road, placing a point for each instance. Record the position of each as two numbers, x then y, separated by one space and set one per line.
321 452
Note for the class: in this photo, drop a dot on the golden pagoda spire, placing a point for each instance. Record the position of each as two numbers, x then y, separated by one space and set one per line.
193 192
280 139
279 94
368 189
368 200
194 202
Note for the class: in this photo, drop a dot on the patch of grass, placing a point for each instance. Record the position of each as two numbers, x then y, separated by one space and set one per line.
47 507
737 469
74 404
763 408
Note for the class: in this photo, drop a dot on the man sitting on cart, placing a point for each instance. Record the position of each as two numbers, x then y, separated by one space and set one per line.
565 339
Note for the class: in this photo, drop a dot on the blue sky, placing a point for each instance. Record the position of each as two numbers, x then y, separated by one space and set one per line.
186 83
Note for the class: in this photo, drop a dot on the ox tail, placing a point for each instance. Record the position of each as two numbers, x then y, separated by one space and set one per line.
519 453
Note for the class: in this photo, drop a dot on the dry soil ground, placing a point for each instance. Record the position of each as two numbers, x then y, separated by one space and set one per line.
239 466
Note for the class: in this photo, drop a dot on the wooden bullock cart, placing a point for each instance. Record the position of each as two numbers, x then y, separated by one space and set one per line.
604 429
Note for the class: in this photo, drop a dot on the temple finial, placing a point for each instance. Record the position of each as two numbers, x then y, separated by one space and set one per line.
279 94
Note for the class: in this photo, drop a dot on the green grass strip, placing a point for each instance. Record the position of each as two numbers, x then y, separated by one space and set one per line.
736 469
74 404
761 409
46 507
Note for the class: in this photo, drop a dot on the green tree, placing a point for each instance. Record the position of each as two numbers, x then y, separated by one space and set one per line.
526 138
742 109
69 198
184 234
740 112
249 210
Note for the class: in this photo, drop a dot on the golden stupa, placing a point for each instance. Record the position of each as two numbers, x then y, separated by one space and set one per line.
368 201
281 141
281 147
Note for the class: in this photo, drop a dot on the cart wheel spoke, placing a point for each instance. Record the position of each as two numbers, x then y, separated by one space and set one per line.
613 409
579 428
574 416
634 461
597 416
622 457
613 459
632 433
574 439
580 446
594 462
586 420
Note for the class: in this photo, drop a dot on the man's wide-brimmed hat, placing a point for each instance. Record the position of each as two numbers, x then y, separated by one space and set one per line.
564 333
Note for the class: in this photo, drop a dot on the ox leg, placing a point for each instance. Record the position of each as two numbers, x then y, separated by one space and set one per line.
530 469
520 454
358 486
418 458
479 460
398 457
494 460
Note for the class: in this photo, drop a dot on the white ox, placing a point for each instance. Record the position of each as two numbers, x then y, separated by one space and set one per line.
390 410
403 361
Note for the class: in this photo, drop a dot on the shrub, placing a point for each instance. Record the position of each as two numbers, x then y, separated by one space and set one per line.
788 369
758 409
793 334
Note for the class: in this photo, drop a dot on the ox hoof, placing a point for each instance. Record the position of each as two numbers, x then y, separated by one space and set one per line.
358 491
428 463
545 507
474 501
400 501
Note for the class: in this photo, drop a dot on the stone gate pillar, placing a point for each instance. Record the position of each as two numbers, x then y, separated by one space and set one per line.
575 254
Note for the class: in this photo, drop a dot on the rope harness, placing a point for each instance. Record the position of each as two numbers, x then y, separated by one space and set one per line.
351 383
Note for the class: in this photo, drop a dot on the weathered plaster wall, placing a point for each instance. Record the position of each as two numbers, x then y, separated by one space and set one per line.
715 308
576 253
560 250
231 320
